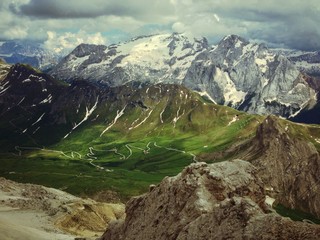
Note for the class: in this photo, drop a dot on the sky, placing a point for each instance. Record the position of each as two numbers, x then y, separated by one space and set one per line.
61 24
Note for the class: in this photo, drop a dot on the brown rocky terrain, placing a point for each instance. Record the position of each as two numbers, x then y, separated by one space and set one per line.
30 211
288 165
224 200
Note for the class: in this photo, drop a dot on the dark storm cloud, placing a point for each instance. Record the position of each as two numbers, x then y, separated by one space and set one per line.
62 9
73 9
298 30
287 23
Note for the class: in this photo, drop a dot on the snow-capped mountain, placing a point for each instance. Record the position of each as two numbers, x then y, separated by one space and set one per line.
235 72
29 52
249 77
160 58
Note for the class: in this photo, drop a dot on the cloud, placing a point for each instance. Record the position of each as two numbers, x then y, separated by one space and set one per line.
16 32
68 41
179 27
139 9
286 23
292 24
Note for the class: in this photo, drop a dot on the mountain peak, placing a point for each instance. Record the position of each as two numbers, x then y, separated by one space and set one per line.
85 49
233 40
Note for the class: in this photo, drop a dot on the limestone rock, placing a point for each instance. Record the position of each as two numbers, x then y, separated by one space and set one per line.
288 165
218 201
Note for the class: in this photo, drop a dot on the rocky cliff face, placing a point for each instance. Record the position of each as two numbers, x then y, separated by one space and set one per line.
236 72
249 77
288 164
219 201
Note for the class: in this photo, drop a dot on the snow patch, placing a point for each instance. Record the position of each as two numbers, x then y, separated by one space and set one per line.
26 80
234 119
262 64
119 114
75 62
141 121
264 82
230 92
205 93
36 130
238 44
39 119
5 89
88 114
177 117
47 100
269 200
162 113
21 101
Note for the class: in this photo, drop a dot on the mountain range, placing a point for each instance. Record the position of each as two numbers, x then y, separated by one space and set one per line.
108 121
246 76
234 72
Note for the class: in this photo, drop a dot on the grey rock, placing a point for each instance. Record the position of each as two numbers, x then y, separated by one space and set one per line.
217 201
288 165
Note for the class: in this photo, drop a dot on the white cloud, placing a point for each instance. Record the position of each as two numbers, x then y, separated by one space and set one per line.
68 41
179 27
16 32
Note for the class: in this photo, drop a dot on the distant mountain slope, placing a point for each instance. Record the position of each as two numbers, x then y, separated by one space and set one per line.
28 52
236 72
307 62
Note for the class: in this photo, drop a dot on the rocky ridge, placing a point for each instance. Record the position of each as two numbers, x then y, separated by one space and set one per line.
219 201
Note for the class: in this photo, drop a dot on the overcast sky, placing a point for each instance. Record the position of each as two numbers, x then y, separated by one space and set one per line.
66 23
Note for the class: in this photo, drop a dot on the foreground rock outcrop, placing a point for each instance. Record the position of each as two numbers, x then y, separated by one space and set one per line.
218 201
29 211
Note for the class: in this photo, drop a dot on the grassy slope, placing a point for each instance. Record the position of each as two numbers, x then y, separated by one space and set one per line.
202 128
